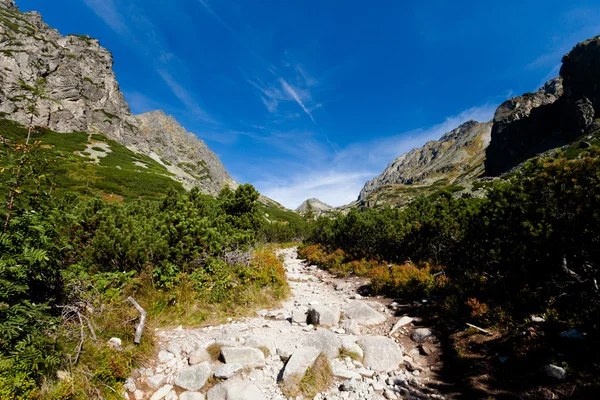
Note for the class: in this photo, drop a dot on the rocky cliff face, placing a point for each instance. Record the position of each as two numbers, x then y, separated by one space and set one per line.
317 206
555 115
75 72
182 152
71 82
457 156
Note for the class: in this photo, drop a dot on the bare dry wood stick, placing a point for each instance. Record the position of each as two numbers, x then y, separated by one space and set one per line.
480 329
140 328
81 340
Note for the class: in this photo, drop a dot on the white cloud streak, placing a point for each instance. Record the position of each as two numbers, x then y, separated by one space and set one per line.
186 98
295 96
337 178
215 15
107 11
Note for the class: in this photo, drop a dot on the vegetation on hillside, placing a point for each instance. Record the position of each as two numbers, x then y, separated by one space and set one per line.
69 259
529 248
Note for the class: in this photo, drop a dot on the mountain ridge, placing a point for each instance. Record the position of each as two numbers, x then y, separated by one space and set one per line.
71 83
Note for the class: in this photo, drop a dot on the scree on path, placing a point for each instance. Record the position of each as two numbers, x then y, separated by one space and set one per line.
375 351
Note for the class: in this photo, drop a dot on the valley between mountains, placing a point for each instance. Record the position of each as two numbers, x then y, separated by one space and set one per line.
133 266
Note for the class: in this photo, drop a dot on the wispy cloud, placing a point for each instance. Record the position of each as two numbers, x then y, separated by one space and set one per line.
296 97
289 84
214 14
185 97
337 177
107 11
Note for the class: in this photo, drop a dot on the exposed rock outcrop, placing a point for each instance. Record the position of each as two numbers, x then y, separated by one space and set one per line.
457 155
71 82
553 116
182 153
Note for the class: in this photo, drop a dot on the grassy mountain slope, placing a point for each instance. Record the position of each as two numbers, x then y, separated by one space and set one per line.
95 165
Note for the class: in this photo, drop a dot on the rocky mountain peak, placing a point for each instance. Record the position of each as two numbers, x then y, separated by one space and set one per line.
182 153
559 112
10 4
458 154
317 206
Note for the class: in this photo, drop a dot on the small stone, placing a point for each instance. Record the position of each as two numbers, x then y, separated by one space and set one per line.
349 385
555 372
389 394
323 315
378 387
155 381
342 286
308 328
537 320
198 356
161 393
284 354
227 371
165 356
115 344
191 396
247 357
421 334
416 372
401 322
194 377
139 395
175 348
172 395
367 373
351 326
130 385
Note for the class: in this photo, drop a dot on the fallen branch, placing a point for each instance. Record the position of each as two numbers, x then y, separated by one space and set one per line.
82 338
140 328
480 329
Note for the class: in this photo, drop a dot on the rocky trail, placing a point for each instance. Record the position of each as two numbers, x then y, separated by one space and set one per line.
375 351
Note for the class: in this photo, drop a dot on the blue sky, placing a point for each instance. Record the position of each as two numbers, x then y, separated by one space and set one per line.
311 98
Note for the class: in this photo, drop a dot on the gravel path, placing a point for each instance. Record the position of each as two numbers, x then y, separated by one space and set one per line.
258 353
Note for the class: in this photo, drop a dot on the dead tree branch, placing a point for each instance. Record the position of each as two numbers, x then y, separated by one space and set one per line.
140 328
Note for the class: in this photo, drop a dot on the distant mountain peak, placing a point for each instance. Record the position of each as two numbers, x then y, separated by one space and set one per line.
317 206
458 154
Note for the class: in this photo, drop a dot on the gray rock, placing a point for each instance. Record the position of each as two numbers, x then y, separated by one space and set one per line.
363 314
235 390
115 344
381 353
247 357
299 362
351 326
198 356
10 4
172 395
299 315
346 374
555 372
342 286
155 381
401 322
284 354
350 345
194 377
349 386
191 396
421 334
165 356
175 348
228 370
161 393
323 315
325 341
